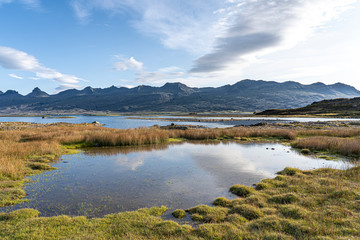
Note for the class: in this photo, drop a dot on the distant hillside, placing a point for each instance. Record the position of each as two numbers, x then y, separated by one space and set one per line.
339 107
246 95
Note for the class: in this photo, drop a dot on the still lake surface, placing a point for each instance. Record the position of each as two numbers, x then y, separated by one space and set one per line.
100 181
124 122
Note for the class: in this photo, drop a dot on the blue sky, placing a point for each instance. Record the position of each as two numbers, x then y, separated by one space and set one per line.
56 45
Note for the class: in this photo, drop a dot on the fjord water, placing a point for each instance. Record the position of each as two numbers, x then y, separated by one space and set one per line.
97 182
124 122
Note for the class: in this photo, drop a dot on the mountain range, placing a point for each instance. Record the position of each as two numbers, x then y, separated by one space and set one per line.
246 95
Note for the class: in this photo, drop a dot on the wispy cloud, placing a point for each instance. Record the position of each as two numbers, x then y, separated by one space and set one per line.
14 59
223 35
190 25
262 27
15 76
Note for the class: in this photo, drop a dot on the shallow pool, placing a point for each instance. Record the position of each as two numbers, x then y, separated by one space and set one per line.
101 181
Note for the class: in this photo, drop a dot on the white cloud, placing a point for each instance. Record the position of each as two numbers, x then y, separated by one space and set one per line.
128 64
11 58
15 76
14 59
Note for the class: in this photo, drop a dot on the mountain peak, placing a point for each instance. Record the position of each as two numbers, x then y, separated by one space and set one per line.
177 87
37 93
88 90
11 92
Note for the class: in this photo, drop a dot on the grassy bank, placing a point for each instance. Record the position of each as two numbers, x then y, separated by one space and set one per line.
320 204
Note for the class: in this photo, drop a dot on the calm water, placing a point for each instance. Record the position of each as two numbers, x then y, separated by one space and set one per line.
123 122
102 181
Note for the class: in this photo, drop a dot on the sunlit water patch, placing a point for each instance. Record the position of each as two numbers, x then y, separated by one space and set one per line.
102 181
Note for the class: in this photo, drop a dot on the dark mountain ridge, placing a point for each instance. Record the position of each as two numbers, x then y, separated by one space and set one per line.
245 95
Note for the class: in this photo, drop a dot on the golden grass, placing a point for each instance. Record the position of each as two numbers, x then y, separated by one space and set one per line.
17 145
343 146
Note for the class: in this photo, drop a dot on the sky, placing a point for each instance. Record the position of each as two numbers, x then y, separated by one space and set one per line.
65 44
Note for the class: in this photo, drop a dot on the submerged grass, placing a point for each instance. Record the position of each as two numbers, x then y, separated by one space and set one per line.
319 204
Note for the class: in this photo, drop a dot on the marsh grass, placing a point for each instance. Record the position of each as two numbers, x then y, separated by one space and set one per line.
336 145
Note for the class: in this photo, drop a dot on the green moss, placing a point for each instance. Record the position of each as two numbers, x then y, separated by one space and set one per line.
40 166
176 139
241 190
179 213
289 171
326 157
305 151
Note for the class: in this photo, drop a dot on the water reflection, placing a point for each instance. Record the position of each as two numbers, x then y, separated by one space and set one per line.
107 180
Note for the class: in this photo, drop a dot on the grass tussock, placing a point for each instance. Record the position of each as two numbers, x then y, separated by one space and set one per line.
316 204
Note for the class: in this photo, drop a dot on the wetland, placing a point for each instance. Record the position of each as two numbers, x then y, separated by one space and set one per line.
95 175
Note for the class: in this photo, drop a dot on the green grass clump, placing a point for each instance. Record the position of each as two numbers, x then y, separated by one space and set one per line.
289 171
219 231
284 198
266 224
305 151
222 202
241 190
20 214
10 196
262 185
207 214
247 211
179 213
293 211
40 166
256 200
